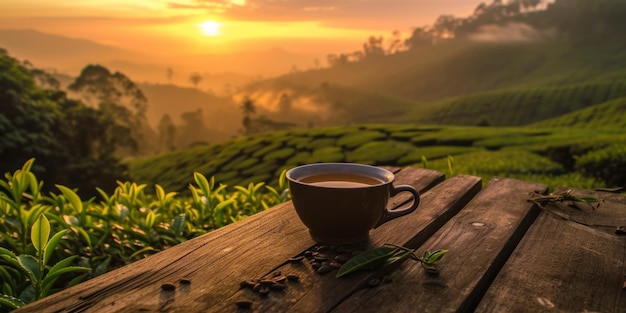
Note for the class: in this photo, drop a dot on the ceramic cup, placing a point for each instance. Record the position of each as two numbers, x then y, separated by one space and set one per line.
341 202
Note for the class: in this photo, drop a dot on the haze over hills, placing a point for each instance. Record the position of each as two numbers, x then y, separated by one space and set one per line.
69 55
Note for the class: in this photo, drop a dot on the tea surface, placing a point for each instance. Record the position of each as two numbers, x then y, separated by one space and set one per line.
340 180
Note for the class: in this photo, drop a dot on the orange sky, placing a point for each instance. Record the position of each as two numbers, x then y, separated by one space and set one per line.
167 27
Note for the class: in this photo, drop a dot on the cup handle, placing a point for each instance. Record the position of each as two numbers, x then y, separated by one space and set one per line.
389 215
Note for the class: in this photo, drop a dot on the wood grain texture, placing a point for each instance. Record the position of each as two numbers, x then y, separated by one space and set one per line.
479 239
215 263
563 266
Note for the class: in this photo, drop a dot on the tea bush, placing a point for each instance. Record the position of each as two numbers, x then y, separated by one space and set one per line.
606 164
51 242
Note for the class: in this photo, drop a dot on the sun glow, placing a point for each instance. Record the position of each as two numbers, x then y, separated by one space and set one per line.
210 28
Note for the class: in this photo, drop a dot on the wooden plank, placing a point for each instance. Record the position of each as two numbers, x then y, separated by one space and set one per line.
215 263
320 293
479 239
609 215
561 265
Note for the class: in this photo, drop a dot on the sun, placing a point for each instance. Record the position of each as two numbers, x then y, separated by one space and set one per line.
210 28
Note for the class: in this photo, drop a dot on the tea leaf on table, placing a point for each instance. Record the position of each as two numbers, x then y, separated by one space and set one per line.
368 259
432 258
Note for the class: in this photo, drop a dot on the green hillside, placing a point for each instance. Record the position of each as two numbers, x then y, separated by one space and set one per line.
544 155
517 107
610 114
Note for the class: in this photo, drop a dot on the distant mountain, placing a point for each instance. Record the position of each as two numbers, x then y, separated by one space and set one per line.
60 52
70 55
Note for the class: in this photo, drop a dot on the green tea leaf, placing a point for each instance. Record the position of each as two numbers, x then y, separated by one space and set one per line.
11 302
368 259
435 257
40 233
30 266
72 197
52 243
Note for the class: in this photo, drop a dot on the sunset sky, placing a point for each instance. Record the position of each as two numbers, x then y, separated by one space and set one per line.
166 27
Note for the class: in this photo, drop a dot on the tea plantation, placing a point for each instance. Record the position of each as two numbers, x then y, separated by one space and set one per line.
549 155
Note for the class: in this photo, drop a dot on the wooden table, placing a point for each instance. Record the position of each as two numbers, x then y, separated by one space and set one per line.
505 255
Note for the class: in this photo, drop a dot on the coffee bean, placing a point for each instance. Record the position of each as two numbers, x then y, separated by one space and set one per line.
168 286
264 290
342 258
267 282
316 265
278 286
334 264
292 277
280 279
308 254
185 281
243 304
296 259
321 248
244 284
256 287
321 258
276 274
324 269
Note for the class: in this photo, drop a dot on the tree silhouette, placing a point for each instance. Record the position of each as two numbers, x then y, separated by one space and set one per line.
248 108
167 133
195 78
169 73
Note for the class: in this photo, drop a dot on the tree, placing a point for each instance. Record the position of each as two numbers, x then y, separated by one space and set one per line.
195 78
373 47
248 108
72 144
193 130
284 104
395 43
120 97
167 133
421 36
169 73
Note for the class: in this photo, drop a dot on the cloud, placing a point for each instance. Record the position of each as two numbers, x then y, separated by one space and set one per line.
352 14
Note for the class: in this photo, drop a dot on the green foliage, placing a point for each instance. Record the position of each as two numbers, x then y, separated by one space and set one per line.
48 243
606 164
74 144
544 155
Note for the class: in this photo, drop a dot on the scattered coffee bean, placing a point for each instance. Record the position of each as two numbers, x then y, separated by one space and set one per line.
308 254
264 290
280 279
185 281
257 287
292 277
244 284
431 271
278 286
321 248
276 274
168 286
324 269
334 264
243 304
296 259
316 265
321 258
342 258
267 282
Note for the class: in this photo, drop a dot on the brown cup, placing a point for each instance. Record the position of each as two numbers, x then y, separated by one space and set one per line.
341 202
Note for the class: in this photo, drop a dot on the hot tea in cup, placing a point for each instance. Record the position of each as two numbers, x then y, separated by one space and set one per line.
341 202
